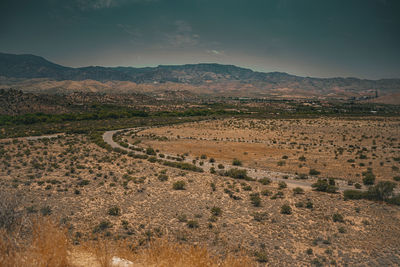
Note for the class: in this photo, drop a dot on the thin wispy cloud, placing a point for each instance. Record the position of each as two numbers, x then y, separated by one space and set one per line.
182 36
215 52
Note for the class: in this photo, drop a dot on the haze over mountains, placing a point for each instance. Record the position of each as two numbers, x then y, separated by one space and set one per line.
36 74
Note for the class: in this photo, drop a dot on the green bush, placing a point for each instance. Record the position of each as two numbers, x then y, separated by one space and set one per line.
238 174
192 224
314 172
255 199
216 211
163 177
114 211
337 217
286 209
236 162
382 191
103 225
322 185
282 185
179 185
265 181
368 177
298 191
183 166
353 194
150 151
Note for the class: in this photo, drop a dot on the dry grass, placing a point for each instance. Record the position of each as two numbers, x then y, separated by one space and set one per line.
49 245
164 253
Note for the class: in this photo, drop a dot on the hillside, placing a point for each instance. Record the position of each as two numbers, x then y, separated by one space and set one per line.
34 73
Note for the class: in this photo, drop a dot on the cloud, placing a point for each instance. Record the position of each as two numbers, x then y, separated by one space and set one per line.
215 52
182 36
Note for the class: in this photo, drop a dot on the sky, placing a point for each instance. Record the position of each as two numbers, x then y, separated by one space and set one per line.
318 38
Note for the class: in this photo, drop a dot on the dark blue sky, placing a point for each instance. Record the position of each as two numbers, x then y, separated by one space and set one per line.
323 38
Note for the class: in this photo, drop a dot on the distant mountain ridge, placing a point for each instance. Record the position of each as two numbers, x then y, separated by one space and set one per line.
207 75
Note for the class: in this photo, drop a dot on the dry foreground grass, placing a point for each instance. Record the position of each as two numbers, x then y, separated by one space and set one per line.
131 203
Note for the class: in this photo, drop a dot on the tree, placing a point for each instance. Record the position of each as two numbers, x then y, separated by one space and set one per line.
382 191
369 177
324 186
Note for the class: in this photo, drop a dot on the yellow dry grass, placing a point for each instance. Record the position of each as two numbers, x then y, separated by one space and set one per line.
49 245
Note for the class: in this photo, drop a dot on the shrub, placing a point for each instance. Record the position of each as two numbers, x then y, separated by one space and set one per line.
260 216
221 166
236 162
395 200
103 225
150 151
192 224
183 166
396 178
9 214
247 188
353 194
213 187
261 256
282 185
357 186
114 211
314 172
337 217
281 163
369 177
298 190
286 209
163 177
46 210
182 218
323 186
216 211
83 182
265 192
265 181
179 185
382 191
255 199
238 174
212 160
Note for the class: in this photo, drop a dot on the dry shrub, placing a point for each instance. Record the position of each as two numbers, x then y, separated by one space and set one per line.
104 249
9 250
164 253
49 245
160 253
45 245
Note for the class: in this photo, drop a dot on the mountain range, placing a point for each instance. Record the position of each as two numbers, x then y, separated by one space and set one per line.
34 73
